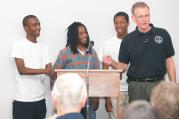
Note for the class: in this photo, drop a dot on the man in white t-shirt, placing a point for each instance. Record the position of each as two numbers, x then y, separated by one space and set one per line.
33 65
111 47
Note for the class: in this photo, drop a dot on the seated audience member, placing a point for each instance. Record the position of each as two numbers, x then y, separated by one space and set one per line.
165 98
69 96
140 110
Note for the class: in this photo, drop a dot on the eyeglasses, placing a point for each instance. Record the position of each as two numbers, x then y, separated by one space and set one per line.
143 16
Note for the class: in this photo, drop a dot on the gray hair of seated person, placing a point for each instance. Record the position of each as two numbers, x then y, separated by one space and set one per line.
140 110
69 90
165 98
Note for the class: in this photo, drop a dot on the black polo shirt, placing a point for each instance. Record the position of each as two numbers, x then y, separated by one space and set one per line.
146 52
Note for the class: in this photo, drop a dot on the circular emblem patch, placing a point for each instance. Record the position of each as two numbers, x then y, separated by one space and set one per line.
158 39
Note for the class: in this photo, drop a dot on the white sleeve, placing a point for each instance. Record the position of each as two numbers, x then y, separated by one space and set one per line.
17 51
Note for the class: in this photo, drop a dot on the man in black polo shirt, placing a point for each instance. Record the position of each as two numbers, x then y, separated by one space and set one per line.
149 51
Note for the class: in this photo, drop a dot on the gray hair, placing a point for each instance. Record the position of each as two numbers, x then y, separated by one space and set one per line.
138 5
140 109
69 89
165 98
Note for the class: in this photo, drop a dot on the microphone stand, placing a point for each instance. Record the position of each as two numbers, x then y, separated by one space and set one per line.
88 51
87 82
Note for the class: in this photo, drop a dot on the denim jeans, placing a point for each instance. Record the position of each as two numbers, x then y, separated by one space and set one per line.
91 113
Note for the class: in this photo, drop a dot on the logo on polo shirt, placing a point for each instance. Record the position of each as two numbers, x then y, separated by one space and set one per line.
158 39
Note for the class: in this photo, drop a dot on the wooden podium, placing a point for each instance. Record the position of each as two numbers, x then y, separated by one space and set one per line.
102 83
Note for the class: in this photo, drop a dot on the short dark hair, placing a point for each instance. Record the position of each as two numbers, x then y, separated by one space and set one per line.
73 36
26 18
125 15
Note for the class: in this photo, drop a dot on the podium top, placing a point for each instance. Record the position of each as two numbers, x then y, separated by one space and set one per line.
104 83
90 70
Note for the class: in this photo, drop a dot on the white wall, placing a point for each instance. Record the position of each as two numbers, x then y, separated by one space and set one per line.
56 15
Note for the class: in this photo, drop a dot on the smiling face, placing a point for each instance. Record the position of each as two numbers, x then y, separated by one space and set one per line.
83 35
32 27
121 26
141 17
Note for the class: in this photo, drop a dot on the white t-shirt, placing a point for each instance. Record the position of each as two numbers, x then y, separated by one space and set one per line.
29 88
111 47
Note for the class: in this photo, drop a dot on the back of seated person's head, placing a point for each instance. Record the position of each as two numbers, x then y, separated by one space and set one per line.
140 109
165 98
69 91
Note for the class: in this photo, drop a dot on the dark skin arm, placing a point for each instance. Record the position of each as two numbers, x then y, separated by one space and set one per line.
29 71
52 74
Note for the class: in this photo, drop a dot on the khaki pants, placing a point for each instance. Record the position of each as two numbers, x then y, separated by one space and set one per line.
141 90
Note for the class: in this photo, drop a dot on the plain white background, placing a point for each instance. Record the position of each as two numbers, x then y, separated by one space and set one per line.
56 15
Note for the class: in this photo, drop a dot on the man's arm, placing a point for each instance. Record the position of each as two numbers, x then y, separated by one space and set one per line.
119 65
116 65
170 65
52 74
29 71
